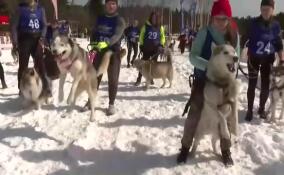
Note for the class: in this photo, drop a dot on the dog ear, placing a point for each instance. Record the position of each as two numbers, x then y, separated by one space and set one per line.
71 42
217 50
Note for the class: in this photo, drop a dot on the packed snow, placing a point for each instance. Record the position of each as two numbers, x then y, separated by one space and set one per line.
143 137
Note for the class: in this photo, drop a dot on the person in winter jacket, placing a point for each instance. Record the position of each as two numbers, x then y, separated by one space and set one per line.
220 31
132 36
106 35
28 33
264 36
152 40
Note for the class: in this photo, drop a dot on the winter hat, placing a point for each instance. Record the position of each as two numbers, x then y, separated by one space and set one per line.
268 3
111 0
221 7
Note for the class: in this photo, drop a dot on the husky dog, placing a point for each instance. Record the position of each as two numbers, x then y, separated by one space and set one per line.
156 70
219 116
172 44
74 60
31 87
277 90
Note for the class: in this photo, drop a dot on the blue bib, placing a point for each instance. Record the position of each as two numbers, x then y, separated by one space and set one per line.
31 21
152 36
133 34
262 39
105 28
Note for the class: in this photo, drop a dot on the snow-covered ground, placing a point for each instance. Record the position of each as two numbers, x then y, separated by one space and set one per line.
143 137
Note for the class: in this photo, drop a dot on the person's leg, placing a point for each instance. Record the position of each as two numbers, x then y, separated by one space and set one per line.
191 123
37 54
265 70
135 48
130 46
24 55
253 69
113 78
2 77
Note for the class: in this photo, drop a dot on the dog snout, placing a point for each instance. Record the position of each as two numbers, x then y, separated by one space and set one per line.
235 58
54 52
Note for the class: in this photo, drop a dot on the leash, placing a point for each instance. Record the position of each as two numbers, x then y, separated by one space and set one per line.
188 103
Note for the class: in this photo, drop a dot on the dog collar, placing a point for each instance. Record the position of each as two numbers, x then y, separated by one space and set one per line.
66 64
220 85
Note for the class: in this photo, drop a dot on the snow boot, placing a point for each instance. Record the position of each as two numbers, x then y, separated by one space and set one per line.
110 110
262 113
249 116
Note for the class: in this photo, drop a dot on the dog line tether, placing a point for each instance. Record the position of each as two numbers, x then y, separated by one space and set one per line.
191 79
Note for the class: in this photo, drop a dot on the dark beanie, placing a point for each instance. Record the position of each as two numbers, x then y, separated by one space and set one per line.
268 3
111 0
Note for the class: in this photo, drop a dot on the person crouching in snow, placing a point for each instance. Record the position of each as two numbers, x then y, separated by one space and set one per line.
264 35
28 32
106 35
220 31
152 40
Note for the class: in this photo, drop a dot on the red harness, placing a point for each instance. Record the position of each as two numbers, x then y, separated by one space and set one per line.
66 63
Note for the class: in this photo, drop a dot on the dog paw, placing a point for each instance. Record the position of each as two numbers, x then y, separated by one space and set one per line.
69 100
60 99
92 119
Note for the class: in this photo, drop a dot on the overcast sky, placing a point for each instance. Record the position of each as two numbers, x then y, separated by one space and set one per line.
240 7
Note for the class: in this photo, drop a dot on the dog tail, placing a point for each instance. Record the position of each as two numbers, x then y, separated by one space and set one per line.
104 64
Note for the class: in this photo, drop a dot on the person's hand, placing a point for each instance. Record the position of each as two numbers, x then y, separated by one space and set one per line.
161 50
141 48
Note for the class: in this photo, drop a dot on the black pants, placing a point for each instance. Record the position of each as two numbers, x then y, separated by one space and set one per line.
147 55
2 76
112 72
28 45
130 46
256 64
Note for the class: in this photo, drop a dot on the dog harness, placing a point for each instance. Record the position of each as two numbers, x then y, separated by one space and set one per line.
66 64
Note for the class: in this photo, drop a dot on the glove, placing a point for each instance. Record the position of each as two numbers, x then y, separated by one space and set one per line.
160 50
99 46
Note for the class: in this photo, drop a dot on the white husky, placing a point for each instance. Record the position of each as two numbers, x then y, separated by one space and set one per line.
219 116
